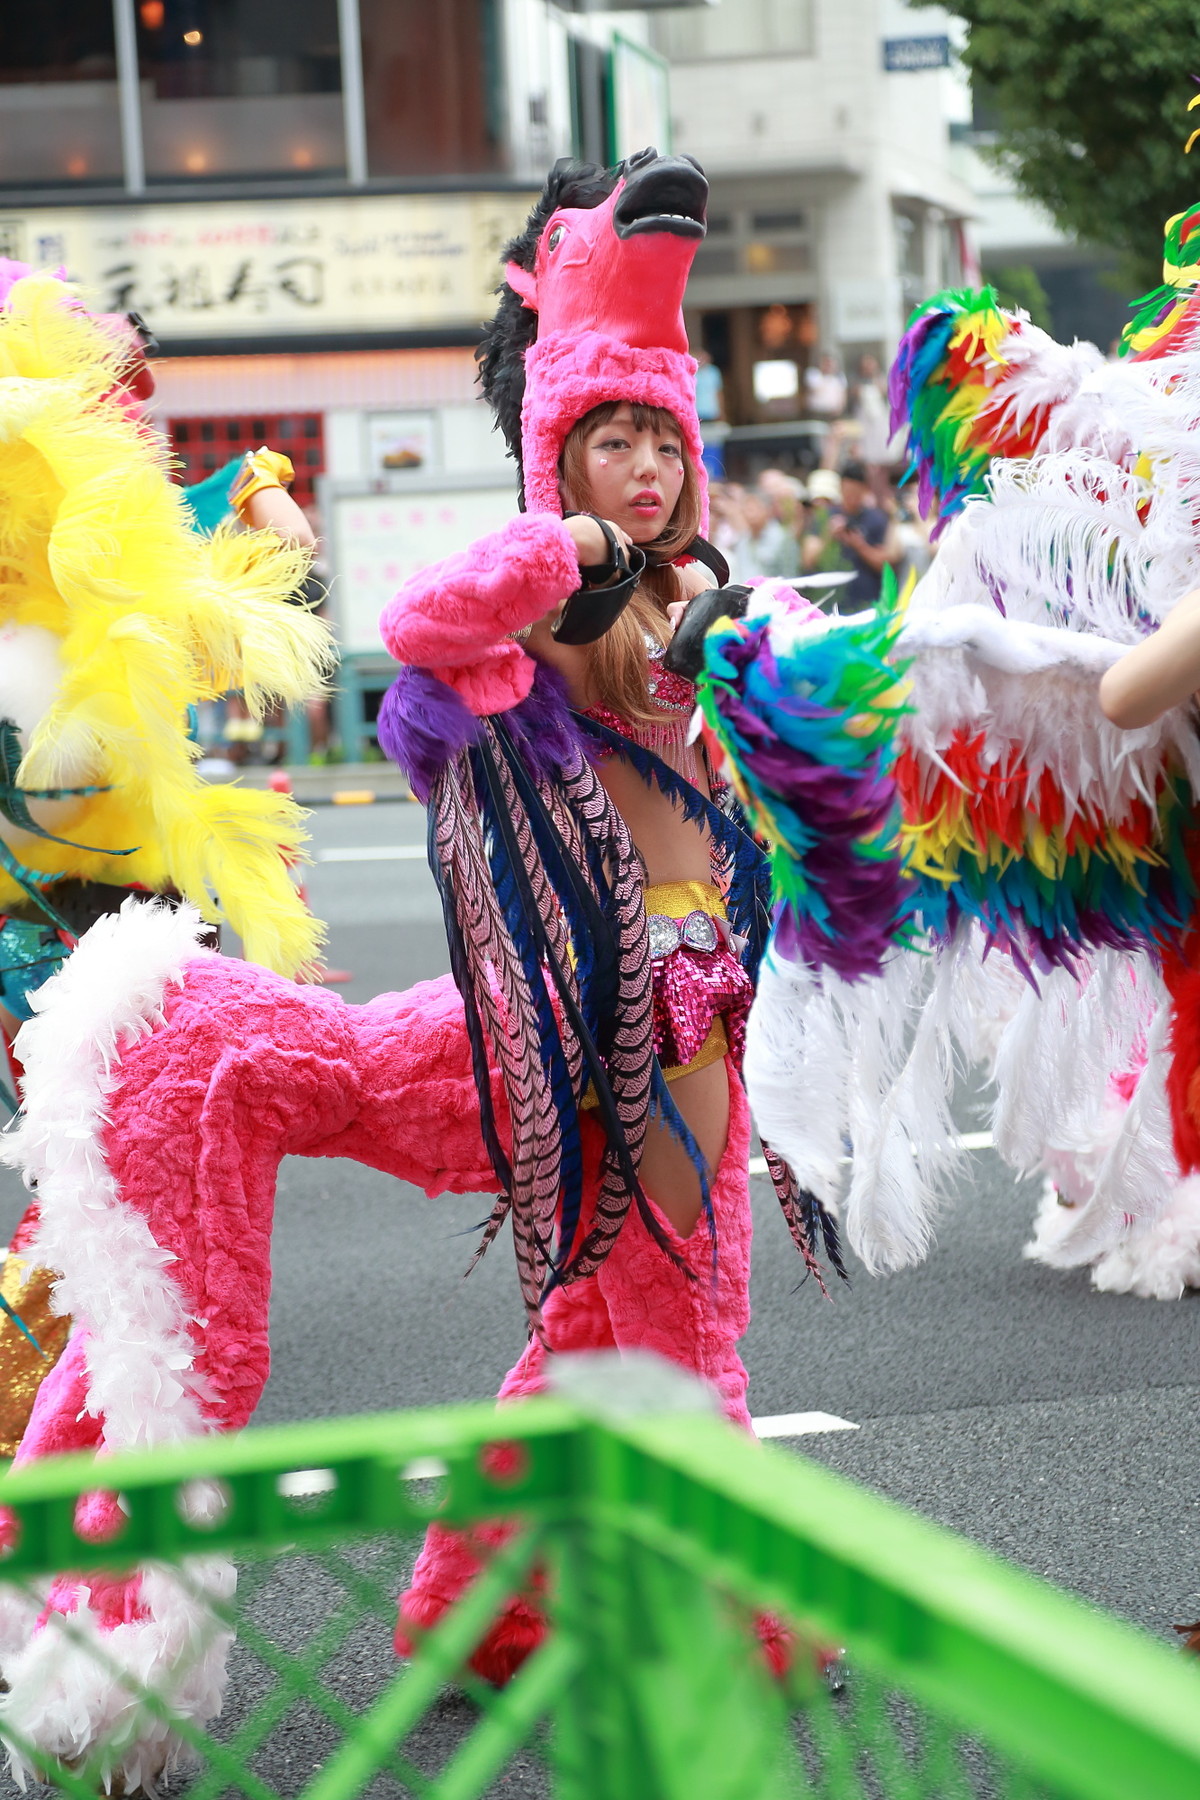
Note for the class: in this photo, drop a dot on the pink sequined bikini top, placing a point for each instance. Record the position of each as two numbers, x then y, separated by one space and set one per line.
675 698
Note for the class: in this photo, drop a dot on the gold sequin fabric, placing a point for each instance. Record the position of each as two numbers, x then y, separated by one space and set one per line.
22 1370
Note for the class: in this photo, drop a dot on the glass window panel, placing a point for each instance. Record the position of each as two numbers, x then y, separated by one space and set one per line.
910 248
59 112
737 28
432 86
240 87
768 222
716 259
768 259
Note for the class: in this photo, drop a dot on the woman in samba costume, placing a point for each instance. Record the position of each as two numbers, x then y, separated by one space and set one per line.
582 1061
541 648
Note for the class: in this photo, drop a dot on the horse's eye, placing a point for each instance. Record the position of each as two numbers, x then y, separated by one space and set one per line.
556 237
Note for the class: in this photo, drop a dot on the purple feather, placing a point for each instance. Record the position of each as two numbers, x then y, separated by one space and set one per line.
422 726
864 898
542 727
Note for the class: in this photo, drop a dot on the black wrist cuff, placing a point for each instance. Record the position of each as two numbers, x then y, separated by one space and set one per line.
685 653
590 612
597 605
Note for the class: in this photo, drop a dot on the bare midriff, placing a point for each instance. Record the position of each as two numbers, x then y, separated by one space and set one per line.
671 848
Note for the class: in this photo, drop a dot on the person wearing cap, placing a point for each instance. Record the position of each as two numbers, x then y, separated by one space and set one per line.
820 551
863 532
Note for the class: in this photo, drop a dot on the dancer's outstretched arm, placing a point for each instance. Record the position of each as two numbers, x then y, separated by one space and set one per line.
1161 672
459 618
273 509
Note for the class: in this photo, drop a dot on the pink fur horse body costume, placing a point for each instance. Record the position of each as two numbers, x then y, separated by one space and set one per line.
165 1084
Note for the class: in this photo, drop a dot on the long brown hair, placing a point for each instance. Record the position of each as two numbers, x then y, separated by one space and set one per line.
617 661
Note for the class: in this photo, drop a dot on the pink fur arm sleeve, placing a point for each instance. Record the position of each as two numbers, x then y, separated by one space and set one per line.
454 618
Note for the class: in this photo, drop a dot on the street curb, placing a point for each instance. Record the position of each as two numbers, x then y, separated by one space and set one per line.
340 784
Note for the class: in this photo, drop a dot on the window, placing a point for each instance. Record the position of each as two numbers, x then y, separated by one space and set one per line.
589 100
240 87
59 114
202 446
737 28
431 75
774 242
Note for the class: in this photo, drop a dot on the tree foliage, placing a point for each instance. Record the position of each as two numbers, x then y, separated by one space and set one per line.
1020 287
1090 98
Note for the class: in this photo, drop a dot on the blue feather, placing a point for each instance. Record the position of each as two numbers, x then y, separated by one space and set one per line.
22 1327
748 901
528 935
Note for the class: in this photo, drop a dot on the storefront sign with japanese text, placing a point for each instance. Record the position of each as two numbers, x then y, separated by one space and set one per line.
256 268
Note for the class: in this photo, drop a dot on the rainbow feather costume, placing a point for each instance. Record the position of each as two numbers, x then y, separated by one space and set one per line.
981 868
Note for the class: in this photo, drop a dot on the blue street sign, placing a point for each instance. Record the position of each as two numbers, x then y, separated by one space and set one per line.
901 56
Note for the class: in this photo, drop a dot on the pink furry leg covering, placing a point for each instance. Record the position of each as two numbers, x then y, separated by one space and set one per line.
698 1322
653 1306
244 1069
248 1069
575 1319
637 1301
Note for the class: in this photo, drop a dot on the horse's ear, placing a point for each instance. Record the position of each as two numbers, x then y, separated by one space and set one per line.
523 282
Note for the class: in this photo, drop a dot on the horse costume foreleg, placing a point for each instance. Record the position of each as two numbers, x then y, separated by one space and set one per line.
163 1087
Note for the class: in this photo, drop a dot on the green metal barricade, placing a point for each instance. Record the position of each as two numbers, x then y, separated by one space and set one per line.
653 1544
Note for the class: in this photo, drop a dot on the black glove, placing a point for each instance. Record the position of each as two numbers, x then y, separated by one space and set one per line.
685 652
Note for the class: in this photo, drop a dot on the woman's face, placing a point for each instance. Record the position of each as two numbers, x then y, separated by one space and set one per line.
635 477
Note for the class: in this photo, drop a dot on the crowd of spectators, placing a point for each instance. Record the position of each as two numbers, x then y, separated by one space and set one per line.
831 523
848 517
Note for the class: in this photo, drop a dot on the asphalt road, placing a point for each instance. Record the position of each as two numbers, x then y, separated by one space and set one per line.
1010 1402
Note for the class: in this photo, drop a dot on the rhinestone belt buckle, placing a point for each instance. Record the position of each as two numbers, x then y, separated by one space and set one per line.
698 931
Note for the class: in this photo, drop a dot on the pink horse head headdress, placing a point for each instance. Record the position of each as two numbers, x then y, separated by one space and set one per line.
591 309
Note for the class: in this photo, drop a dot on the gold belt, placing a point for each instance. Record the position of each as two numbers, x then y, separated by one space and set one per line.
676 899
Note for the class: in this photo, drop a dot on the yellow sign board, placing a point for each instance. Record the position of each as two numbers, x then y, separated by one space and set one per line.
233 268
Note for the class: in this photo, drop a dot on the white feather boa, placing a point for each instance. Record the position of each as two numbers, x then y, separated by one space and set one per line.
73 1687
852 1085
1158 1262
114 1279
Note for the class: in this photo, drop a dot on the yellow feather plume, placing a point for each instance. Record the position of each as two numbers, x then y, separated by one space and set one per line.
95 546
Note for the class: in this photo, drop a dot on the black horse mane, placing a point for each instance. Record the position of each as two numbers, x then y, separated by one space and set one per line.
508 335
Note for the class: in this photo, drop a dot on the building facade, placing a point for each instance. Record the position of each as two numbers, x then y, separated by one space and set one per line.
305 202
836 204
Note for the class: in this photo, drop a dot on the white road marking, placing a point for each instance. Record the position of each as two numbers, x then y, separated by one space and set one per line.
373 853
303 1482
323 1481
424 1468
966 1140
788 1425
306 1481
